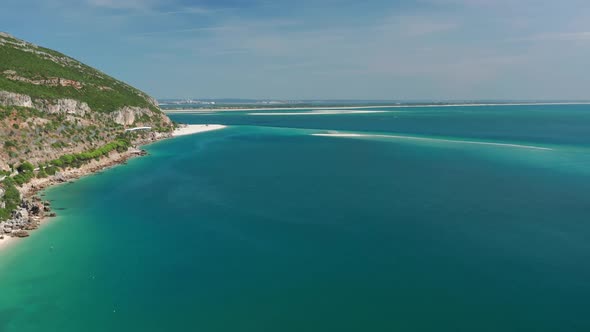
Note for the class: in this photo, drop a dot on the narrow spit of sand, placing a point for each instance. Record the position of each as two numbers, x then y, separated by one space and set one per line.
195 129
279 108
444 140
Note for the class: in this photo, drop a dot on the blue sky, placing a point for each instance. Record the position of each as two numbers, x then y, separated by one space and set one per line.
322 49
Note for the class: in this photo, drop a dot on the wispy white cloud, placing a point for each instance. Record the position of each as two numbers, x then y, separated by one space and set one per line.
191 11
563 36
183 31
134 8
415 26
228 28
415 48
124 4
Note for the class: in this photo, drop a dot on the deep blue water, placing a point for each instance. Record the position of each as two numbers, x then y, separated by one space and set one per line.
265 227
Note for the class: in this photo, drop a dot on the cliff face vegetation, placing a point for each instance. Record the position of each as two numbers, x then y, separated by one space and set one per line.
44 74
53 107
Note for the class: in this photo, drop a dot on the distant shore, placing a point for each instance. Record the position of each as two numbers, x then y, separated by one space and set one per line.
287 108
114 158
195 129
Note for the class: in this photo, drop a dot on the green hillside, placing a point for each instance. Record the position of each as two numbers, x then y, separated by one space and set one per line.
58 114
23 64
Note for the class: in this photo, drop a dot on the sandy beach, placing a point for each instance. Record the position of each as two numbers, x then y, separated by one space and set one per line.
6 242
195 129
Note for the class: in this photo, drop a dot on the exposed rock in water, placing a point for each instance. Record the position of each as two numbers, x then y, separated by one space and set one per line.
25 218
31 226
36 209
20 233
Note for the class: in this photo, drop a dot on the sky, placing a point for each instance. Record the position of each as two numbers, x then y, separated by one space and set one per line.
322 49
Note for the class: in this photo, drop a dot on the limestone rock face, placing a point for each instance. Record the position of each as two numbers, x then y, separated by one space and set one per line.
101 98
15 99
153 101
68 106
165 119
127 115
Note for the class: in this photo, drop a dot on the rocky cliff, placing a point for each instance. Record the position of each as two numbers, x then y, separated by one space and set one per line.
52 104
37 77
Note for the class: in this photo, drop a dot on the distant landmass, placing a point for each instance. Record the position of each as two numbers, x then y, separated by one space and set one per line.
231 103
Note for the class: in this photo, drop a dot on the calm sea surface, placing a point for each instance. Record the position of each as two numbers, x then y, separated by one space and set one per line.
420 219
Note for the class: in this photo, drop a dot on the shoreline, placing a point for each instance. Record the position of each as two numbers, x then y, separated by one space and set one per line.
196 129
262 109
6 242
32 188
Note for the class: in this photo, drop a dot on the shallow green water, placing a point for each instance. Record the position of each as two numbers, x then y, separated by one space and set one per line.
261 228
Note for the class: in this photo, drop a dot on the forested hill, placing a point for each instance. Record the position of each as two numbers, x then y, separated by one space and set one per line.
53 106
45 74
53 103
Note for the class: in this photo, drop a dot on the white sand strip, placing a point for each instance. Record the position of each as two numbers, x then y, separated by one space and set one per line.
7 241
195 129
196 110
264 109
519 146
318 112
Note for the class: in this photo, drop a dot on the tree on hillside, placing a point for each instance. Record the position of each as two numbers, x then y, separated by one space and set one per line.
25 167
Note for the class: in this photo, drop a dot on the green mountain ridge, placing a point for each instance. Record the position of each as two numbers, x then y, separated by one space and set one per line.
57 113
42 73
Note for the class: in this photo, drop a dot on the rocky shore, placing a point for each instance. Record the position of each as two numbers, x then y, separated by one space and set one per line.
32 210
27 217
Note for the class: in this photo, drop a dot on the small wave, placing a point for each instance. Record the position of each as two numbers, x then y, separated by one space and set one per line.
508 145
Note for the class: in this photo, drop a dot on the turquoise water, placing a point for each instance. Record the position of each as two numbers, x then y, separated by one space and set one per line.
264 227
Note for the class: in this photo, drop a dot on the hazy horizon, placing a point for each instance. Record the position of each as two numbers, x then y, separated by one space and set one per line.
287 100
326 49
